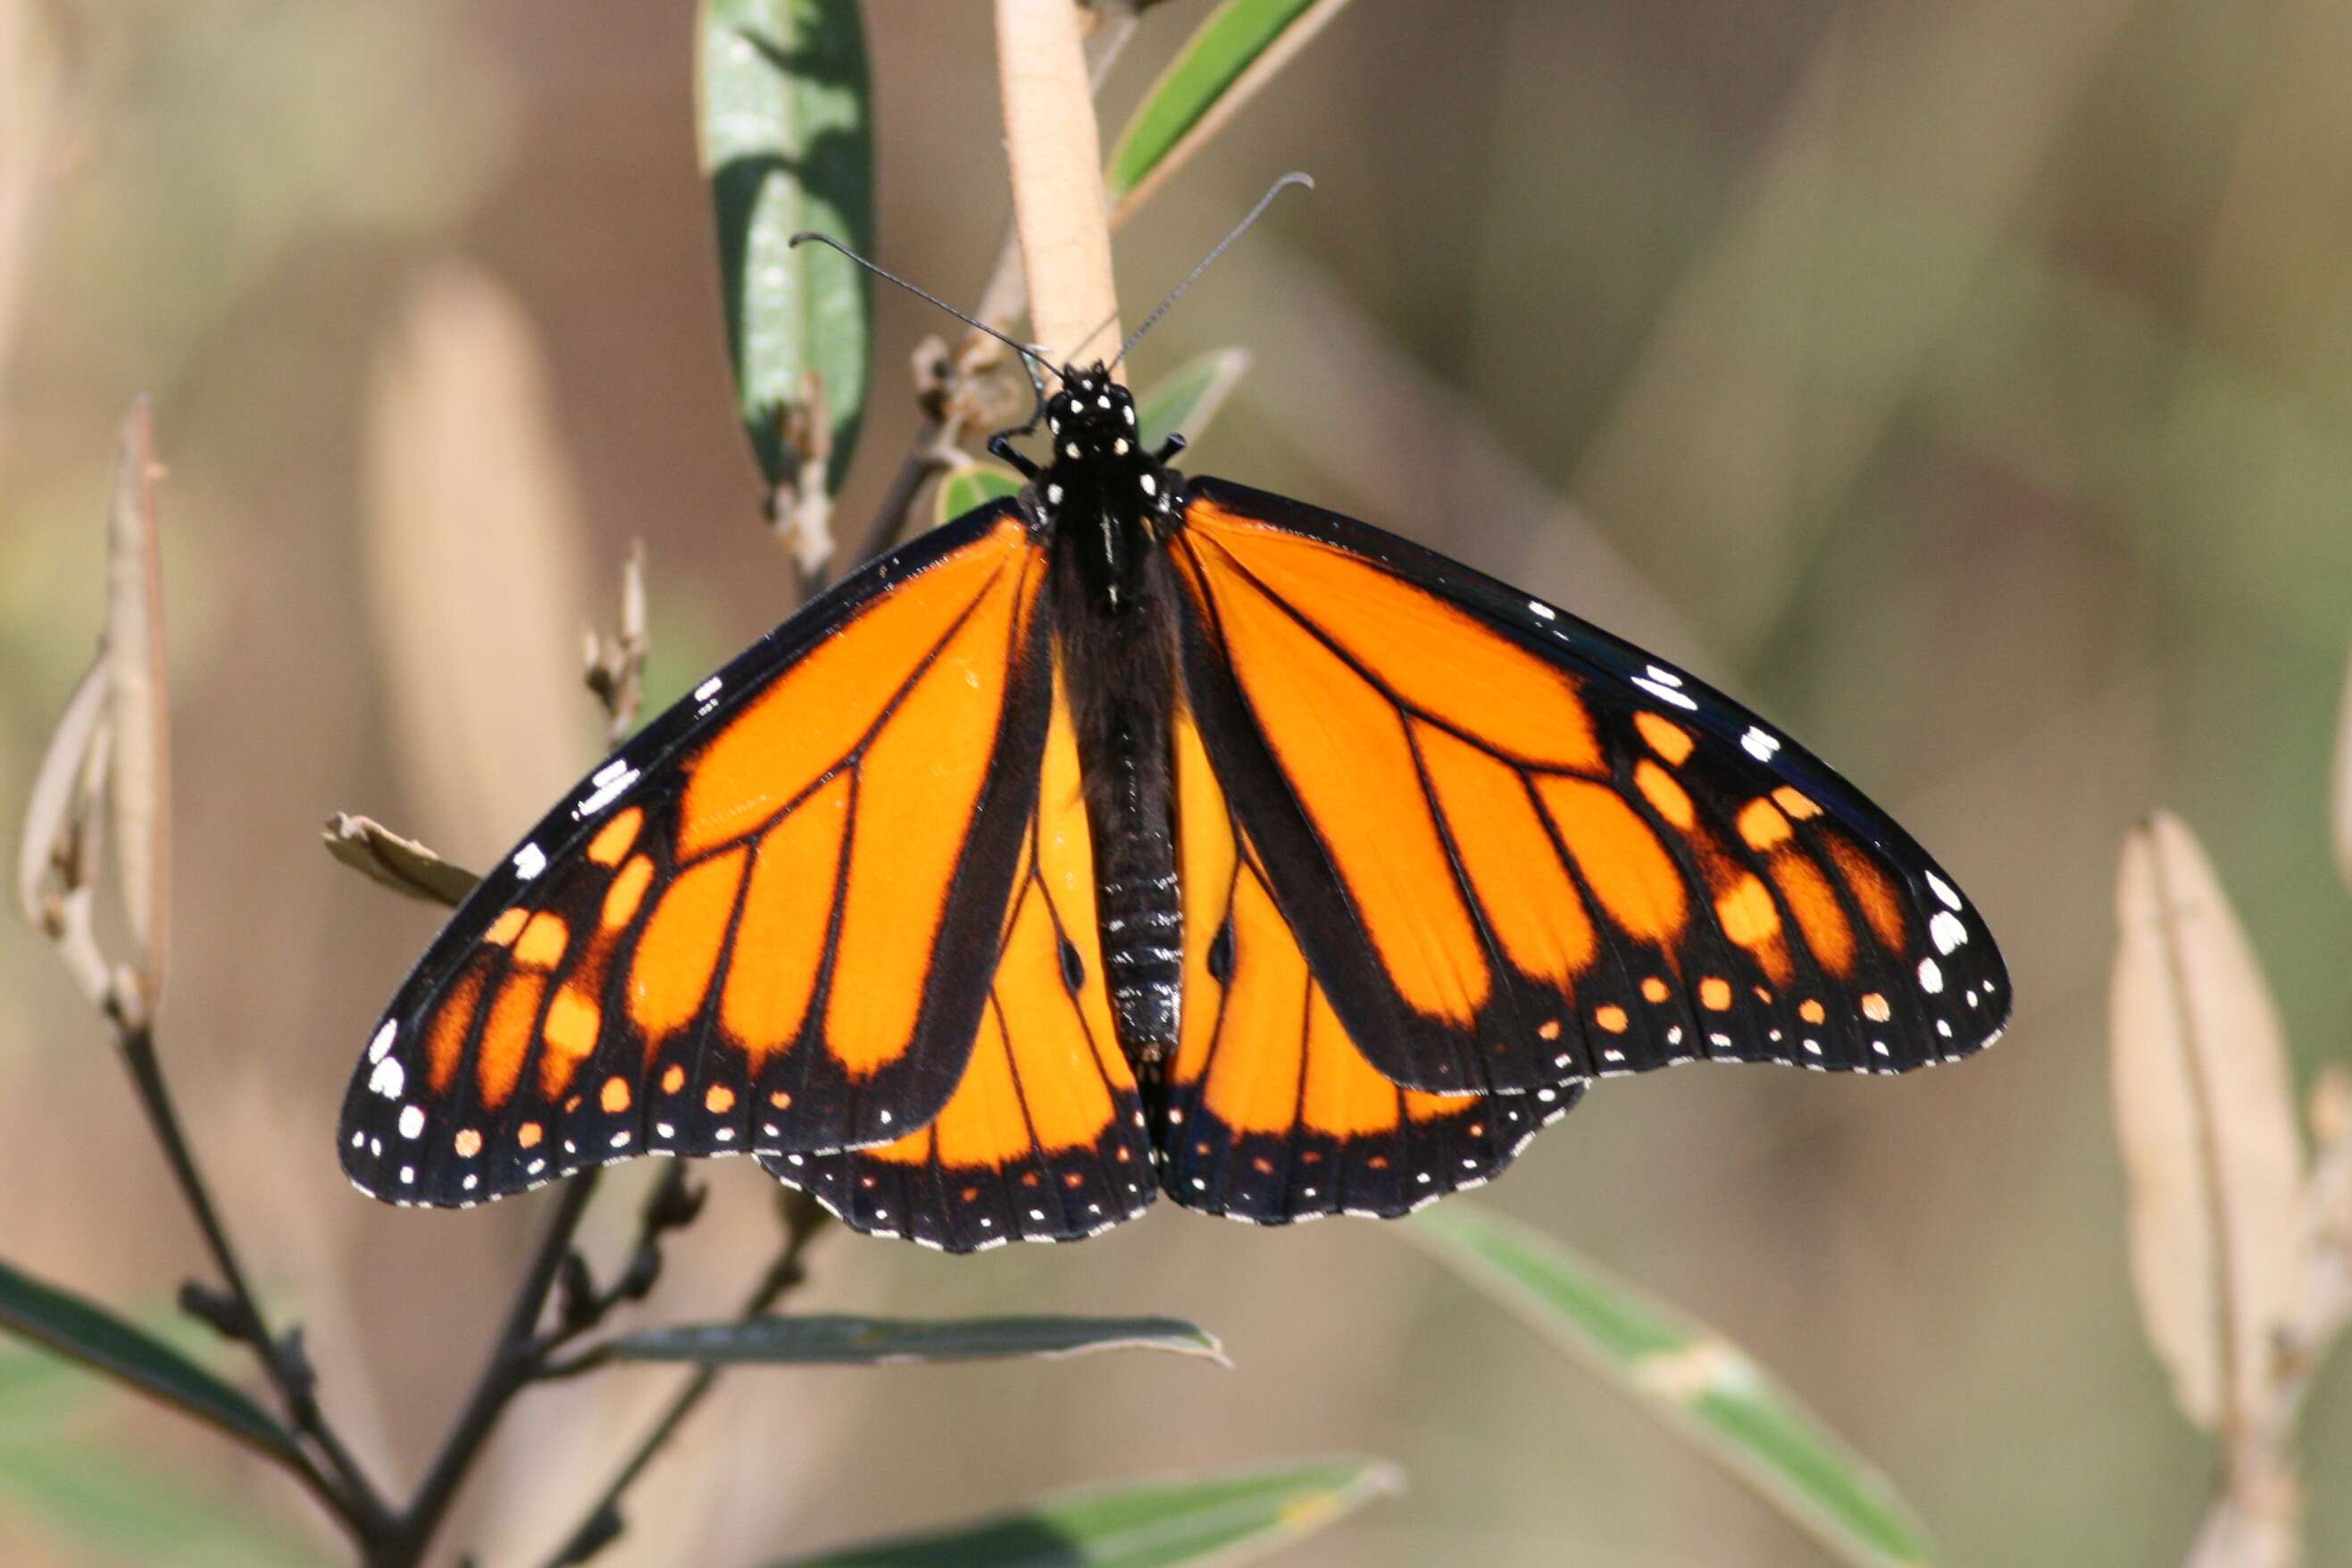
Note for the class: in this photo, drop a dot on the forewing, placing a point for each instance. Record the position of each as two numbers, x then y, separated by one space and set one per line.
1517 851
1268 1111
765 924
1044 1137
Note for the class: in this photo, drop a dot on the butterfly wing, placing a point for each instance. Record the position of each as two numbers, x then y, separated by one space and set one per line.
1517 851
768 924
1268 1111
1043 1139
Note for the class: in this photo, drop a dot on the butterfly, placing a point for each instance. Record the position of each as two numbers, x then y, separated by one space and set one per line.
1147 833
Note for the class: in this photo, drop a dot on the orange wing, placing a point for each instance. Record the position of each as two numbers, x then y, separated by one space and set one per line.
1043 1139
1517 852
1269 1112
767 924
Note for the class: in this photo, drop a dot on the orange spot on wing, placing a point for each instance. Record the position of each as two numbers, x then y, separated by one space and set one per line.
672 1078
542 942
445 1032
719 1101
468 1143
627 891
1748 913
919 782
505 1038
528 1134
614 1096
1625 863
1612 1017
1715 993
1796 802
1761 825
1811 1011
1665 737
679 948
504 929
810 718
1530 904
1813 905
612 841
1667 797
572 1019
1875 1009
1882 906
1434 656
1653 989
780 942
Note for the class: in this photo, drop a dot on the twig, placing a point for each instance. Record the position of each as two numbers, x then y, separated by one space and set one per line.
616 664
514 1360
601 1525
347 1491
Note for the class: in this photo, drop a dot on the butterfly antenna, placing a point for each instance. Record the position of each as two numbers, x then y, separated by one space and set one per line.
1033 359
1209 260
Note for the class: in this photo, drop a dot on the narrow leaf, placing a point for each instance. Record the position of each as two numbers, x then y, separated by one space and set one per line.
787 144
2341 803
138 711
1239 46
1226 1519
81 1329
852 1340
1708 1389
976 486
1182 401
2207 1126
401 863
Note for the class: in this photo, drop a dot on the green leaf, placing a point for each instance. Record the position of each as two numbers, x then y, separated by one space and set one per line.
845 1341
94 1498
1211 75
788 144
1144 1524
1185 399
89 1333
966 488
1707 1388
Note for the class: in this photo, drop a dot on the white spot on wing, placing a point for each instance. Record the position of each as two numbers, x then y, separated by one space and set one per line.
1931 976
707 691
529 861
382 1041
1542 611
1947 930
389 1078
1758 744
1944 890
412 1121
1665 693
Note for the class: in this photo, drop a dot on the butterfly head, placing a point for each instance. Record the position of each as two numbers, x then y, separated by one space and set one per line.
1092 420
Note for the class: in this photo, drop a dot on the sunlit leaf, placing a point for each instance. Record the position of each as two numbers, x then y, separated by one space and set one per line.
81 1329
1226 1519
2206 1122
787 144
960 491
1238 49
1182 401
1707 1388
829 1340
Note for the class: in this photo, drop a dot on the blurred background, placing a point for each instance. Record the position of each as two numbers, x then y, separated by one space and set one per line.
1966 383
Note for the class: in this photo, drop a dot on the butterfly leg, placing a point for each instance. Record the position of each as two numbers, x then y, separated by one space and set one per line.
1002 449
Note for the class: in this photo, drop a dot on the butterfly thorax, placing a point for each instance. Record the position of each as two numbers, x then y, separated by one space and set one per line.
1107 502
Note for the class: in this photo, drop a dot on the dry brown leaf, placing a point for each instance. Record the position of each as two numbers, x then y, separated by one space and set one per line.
139 711
53 848
1055 150
404 864
2207 1126
477 586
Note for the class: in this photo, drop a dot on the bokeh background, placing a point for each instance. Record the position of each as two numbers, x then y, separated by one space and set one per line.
1966 383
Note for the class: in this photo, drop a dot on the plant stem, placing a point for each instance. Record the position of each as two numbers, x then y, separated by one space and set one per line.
347 1492
514 1360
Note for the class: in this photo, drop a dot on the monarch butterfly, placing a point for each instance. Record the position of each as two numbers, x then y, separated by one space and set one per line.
1149 833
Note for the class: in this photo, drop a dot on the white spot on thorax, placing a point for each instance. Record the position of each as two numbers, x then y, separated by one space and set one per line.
1150 486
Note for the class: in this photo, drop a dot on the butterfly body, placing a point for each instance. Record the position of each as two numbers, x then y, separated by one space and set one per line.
1150 834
